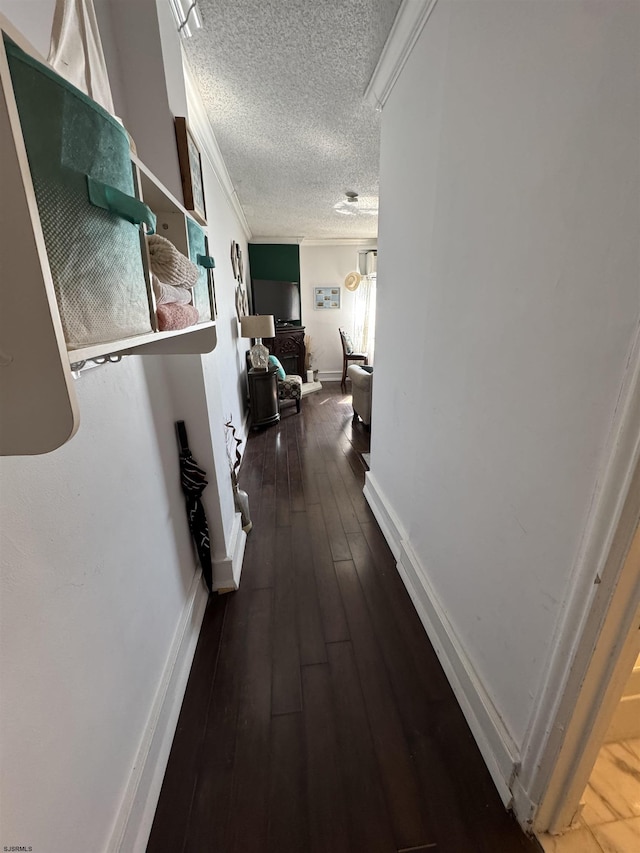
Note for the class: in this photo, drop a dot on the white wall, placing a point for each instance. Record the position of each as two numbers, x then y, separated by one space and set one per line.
33 18
323 266
510 215
96 566
228 359
97 576
147 27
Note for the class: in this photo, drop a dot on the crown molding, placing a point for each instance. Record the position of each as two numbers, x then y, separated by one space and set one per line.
363 242
200 126
280 241
408 24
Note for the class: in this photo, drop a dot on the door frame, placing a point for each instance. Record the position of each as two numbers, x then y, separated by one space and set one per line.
593 646
615 652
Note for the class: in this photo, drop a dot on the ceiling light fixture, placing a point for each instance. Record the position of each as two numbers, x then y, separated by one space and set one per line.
187 16
356 206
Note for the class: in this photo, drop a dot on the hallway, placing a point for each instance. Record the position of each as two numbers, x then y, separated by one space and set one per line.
317 716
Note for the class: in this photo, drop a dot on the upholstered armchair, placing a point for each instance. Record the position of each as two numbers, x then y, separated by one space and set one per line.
361 381
290 388
289 384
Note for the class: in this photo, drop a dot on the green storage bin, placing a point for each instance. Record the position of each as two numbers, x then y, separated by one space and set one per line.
82 175
198 254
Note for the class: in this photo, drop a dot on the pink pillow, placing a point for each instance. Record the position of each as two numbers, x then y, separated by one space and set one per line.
174 316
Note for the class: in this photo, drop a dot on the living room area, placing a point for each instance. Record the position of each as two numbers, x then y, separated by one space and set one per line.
327 265
322 300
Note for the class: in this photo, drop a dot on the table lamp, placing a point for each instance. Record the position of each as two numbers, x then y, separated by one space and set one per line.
258 326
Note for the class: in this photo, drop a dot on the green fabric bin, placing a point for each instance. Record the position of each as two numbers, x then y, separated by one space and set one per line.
198 254
75 148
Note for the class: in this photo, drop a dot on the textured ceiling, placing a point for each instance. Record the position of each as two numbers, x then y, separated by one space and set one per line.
283 83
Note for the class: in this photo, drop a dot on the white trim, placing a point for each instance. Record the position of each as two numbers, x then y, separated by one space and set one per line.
608 674
278 241
494 741
496 744
200 126
329 375
227 571
364 242
409 22
593 582
384 514
135 816
521 804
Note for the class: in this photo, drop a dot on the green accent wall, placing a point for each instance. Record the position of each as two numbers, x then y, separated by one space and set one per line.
274 261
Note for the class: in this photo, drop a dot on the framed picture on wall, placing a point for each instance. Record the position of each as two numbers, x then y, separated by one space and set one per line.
190 171
325 298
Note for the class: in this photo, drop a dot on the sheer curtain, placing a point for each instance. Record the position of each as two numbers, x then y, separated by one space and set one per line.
364 317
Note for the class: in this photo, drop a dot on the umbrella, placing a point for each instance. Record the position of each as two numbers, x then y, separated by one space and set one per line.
193 482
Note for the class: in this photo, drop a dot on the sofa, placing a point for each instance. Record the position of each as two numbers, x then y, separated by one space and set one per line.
361 381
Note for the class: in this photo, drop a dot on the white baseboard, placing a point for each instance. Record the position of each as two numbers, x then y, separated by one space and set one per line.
330 375
522 805
498 748
135 817
137 810
227 571
385 516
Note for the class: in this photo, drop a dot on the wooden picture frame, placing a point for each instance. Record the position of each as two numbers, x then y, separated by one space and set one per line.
190 171
212 295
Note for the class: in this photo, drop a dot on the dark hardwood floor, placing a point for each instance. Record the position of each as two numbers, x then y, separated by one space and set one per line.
317 716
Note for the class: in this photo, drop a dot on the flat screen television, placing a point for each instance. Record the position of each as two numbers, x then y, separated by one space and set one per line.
280 298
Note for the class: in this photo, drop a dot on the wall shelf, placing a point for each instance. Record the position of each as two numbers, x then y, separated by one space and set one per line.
39 410
196 339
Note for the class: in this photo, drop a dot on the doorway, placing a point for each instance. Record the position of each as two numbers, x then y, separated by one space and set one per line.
610 804
597 807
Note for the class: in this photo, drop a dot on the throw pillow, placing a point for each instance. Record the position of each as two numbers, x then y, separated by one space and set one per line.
276 363
348 342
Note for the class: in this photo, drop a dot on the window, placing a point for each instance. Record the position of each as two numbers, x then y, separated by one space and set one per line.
364 316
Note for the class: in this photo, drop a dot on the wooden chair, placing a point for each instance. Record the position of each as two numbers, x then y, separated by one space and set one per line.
349 355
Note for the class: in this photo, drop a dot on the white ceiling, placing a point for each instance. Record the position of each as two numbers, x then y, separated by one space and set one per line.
283 83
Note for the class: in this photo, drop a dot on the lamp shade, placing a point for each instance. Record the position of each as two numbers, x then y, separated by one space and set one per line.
258 326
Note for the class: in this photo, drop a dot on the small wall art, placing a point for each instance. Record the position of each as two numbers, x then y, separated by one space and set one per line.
326 298
242 301
237 264
190 171
234 262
